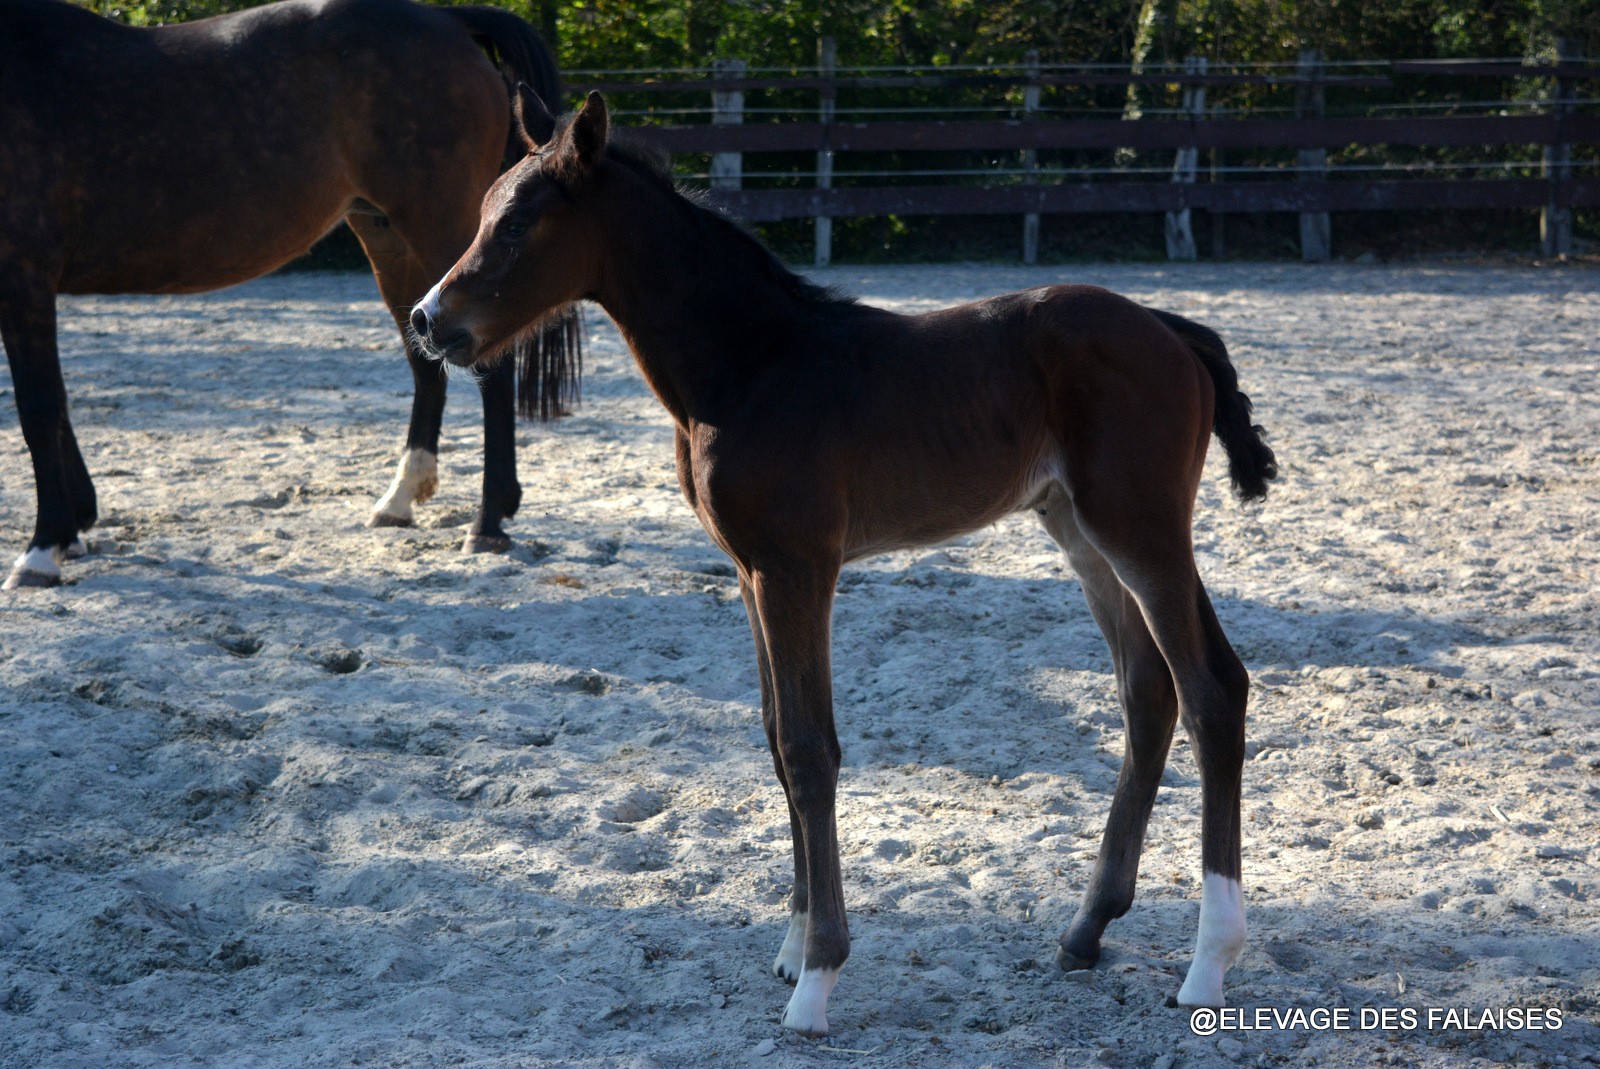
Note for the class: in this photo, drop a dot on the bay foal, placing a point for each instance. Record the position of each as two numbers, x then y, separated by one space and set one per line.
190 157
812 430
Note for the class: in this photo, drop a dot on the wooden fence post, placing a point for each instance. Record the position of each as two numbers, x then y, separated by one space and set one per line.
727 168
1555 219
1180 228
1316 234
1030 159
1219 247
827 63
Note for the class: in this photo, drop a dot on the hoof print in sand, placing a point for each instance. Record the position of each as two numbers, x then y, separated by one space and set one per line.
339 662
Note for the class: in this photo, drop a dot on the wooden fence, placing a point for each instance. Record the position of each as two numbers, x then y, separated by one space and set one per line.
1311 187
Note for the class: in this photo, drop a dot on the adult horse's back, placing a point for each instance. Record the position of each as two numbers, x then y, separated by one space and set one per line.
196 156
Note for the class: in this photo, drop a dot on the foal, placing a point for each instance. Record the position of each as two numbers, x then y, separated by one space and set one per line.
812 430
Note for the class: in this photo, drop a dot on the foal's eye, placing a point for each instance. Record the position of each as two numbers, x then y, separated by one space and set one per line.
514 230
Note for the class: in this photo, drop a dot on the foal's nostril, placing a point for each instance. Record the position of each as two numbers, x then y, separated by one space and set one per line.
419 321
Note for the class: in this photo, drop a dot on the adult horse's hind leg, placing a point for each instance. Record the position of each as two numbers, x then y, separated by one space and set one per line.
1149 711
791 956
502 494
399 276
404 273
66 499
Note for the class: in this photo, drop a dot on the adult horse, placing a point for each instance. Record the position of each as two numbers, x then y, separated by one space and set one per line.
812 430
200 155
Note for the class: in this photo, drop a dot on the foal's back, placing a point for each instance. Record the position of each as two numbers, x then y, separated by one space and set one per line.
944 422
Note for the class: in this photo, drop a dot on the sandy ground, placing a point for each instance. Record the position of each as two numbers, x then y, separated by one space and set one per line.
278 790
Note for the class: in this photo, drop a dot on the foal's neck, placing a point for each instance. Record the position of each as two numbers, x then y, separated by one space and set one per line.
703 305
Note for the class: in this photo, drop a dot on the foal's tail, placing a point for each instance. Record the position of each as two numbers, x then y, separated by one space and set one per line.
1250 461
549 363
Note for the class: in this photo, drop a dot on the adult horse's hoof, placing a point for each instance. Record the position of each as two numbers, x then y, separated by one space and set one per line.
384 519
77 550
477 543
21 578
35 568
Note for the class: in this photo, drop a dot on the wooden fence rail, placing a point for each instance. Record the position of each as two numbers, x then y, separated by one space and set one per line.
1309 188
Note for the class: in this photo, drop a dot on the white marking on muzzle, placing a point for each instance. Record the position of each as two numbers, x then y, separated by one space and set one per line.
430 302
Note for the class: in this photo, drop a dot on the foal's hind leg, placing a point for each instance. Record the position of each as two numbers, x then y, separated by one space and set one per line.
1149 711
1152 557
791 956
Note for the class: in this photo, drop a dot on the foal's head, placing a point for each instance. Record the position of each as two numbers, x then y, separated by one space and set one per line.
534 252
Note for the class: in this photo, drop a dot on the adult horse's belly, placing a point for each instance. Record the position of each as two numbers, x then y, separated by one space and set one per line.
204 228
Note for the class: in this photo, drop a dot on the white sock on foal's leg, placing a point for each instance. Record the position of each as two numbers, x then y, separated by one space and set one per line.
415 480
791 956
807 1011
1219 942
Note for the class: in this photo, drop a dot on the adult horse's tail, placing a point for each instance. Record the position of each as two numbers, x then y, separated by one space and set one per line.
1251 464
550 362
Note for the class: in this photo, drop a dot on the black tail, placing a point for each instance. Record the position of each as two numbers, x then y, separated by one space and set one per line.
1251 464
549 365
522 56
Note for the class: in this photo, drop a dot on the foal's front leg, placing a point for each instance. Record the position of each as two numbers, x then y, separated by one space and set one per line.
794 603
786 966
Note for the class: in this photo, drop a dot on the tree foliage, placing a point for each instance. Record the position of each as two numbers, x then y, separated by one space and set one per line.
610 34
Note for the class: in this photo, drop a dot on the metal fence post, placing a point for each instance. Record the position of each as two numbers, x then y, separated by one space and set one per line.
1555 219
827 63
1316 234
727 168
1180 225
1030 160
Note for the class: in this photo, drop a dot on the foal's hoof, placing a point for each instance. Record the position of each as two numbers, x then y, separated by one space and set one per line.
477 543
807 1012
384 519
77 550
1072 957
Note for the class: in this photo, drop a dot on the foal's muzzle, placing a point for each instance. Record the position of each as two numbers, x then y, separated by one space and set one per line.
420 322
454 347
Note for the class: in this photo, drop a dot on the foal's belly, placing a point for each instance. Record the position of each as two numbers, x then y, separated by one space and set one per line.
885 518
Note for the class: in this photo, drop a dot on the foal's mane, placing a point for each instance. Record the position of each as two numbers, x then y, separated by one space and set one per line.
653 168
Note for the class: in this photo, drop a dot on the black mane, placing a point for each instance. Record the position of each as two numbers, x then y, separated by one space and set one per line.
654 168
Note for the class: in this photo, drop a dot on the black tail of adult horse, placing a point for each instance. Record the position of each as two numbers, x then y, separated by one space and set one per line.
1251 463
549 363
520 54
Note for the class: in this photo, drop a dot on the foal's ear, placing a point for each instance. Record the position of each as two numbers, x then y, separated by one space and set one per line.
589 129
533 117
